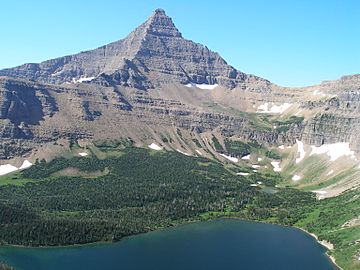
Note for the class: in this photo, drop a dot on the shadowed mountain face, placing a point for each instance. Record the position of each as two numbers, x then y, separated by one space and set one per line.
154 53
24 103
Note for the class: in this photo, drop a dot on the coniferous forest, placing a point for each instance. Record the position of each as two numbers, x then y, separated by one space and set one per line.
78 200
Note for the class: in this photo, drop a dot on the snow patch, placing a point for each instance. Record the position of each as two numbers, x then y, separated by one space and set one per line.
202 86
83 154
300 151
181 152
334 151
198 151
264 108
154 146
276 165
296 177
246 157
84 79
26 164
320 193
281 147
253 185
298 112
243 173
56 73
233 159
8 168
330 172
318 92
255 166
260 159
5 169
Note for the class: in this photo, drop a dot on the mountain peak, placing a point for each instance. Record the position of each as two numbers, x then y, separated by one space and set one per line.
154 53
161 25
159 11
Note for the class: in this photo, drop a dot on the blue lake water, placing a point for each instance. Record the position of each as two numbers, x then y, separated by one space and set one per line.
220 244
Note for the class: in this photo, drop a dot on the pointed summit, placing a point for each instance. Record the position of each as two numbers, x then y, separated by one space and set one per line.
159 11
155 53
162 25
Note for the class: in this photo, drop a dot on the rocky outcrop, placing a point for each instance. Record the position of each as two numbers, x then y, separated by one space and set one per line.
12 131
337 117
23 102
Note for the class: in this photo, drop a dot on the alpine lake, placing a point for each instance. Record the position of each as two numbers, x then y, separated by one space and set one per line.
218 244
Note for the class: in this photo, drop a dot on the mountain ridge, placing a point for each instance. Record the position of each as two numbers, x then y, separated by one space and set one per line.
152 54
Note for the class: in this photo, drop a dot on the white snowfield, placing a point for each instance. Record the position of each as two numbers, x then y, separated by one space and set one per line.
330 172
181 152
26 164
281 147
264 108
154 146
5 169
334 151
296 177
301 151
246 157
56 73
8 168
255 166
276 165
233 159
84 79
202 86
321 193
319 93
243 173
83 154
198 151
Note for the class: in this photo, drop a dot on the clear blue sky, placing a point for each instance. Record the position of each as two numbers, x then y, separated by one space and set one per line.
290 42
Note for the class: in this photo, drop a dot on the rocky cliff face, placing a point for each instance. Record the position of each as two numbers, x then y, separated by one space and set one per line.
336 114
24 102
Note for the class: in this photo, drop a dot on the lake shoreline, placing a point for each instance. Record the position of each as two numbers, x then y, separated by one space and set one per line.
325 244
